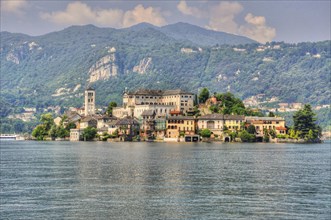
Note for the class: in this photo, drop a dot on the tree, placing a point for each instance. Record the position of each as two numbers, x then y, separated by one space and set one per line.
47 120
304 122
251 129
111 105
206 133
246 137
204 95
46 128
271 114
62 132
39 132
265 135
89 133
70 125
53 132
272 133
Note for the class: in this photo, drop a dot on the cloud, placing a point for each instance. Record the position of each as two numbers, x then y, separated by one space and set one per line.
186 10
140 14
222 17
13 6
257 29
78 13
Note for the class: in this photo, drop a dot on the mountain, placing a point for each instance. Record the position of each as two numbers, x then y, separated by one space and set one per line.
54 69
195 34
201 36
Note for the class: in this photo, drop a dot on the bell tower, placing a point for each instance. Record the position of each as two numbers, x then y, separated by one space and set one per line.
89 101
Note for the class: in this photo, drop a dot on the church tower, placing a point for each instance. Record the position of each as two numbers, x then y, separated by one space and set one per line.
89 101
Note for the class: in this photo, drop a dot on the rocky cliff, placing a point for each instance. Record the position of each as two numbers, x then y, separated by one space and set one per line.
143 65
104 68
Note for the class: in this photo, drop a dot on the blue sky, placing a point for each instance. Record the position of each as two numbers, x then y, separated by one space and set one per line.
289 21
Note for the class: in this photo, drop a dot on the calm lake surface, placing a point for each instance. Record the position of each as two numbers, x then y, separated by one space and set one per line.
65 180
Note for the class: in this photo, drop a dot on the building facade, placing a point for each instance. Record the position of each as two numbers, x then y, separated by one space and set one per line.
180 125
270 123
213 122
177 99
89 101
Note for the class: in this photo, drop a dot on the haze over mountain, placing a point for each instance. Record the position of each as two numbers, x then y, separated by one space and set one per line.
54 69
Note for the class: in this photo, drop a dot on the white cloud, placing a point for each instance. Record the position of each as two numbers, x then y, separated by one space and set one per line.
78 13
13 6
257 29
140 14
222 18
186 10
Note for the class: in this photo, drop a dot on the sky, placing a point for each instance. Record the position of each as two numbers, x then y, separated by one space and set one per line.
264 21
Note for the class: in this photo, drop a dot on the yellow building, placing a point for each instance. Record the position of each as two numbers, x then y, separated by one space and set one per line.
177 125
234 122
269 123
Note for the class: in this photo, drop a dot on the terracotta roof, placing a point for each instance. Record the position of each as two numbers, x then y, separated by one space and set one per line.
147 113
181 118
213 116
234 117
88 118
113 122
281 128
255 118
127 121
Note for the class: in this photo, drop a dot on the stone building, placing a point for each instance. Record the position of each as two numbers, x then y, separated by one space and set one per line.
161 101
89 101
214 122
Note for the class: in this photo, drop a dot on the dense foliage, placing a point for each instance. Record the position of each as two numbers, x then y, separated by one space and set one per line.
229 104
48 129
110 107
203 95
89 133
305 123
206 133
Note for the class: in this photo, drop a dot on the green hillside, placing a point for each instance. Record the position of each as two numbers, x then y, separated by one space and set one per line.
35 68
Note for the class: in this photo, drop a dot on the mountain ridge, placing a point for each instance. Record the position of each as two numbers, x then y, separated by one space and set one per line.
45 70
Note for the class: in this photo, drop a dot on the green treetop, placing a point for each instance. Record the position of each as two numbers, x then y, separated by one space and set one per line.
304 122
203 95
111 105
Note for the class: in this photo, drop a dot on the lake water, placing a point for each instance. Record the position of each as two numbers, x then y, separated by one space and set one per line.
65 180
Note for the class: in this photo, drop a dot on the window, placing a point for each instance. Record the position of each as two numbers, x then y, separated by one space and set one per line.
210 124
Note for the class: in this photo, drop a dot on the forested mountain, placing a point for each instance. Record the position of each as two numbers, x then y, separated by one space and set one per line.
54 69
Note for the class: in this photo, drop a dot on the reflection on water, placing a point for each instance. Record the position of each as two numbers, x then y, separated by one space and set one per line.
156 180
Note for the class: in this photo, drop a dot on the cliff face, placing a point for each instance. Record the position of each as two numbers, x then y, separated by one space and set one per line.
21 51
104 68
143 65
